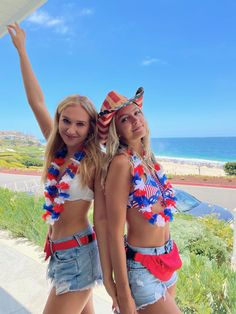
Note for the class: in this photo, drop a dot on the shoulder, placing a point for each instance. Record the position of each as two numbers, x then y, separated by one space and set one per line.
119 169
118 176
120 162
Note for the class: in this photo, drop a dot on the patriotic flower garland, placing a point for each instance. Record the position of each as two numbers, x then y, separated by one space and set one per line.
166 194
56 192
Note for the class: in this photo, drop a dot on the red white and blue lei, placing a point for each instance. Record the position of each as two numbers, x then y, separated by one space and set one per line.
165 194
57 192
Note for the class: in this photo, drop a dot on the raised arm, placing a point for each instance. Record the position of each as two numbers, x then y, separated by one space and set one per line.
33 91
116 195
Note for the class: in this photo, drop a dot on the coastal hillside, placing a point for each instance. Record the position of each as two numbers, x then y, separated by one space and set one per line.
16 137
19 150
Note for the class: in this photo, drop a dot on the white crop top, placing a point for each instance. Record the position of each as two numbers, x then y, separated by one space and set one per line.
78 192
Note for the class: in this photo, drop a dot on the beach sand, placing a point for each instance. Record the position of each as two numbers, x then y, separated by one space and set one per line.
178 166
174 166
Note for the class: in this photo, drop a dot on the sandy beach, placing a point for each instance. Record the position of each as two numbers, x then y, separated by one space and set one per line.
174 166
179 166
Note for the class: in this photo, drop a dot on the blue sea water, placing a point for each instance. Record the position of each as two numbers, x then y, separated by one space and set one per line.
220 149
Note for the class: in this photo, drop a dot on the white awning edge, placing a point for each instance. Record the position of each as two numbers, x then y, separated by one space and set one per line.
16 11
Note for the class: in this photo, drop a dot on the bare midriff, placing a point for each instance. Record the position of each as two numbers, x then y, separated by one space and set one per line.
72 220
141 233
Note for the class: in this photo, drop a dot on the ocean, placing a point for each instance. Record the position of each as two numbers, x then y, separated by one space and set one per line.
218 149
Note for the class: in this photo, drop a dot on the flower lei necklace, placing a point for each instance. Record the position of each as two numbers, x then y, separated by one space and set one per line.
165 195
56 192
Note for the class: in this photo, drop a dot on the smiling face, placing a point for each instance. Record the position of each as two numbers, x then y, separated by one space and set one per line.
74 125
130 123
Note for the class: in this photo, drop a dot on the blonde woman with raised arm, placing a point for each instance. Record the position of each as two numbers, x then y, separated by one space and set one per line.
72 180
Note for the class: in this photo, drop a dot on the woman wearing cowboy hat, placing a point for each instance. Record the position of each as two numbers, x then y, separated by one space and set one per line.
137 193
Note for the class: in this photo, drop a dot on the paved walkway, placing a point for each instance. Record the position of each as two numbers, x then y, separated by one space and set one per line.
23 285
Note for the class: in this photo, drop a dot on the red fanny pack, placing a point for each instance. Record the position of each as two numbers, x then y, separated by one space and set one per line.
50 247
161 266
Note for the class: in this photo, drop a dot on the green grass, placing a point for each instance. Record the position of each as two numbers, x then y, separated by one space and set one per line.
18 154
20 214
206 282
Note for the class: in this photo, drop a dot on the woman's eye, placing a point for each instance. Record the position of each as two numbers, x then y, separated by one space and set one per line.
138 112
80 124
124 119
66 121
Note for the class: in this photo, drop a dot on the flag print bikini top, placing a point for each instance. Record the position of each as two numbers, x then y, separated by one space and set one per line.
154 189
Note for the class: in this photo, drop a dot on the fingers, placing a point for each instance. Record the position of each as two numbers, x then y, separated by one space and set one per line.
12 26
15 26
10 32
115 309
115 306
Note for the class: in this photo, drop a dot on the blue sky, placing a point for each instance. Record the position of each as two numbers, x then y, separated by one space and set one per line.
182 52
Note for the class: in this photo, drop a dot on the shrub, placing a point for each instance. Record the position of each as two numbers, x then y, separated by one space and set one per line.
220 229
230 168
205 287
32 162
21 214
204 237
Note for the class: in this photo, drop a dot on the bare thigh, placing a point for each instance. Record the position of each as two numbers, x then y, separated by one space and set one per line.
71 302
172 290
162 306
89 309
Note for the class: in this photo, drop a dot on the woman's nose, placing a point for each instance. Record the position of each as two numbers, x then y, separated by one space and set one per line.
134 119
71 129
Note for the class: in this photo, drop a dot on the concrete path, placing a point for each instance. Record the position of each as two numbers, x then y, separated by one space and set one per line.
23 285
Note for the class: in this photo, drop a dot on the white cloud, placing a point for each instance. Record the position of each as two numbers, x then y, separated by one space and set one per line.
148 61
44 19
86 12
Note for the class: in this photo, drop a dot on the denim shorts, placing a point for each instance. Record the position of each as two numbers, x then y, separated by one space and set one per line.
146 289
77 268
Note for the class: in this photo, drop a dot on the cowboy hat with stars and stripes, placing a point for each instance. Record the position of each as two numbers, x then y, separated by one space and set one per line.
112 103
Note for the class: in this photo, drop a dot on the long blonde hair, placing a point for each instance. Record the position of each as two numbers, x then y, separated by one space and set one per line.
92 150
112 148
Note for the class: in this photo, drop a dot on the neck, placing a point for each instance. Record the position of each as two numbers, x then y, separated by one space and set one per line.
136 146
72 150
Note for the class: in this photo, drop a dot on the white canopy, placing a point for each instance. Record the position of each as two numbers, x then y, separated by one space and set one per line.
16 11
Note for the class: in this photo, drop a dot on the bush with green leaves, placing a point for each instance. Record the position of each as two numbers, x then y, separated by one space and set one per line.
31 162
205 287
206 236
230 168
21 214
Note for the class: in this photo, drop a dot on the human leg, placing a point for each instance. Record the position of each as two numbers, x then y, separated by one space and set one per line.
172 290
165 305
71 302
73 272
89 307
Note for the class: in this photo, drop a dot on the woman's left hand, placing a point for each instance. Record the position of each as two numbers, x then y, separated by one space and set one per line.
111 290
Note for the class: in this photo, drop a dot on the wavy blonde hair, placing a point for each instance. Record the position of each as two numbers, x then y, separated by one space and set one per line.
92 150
113 144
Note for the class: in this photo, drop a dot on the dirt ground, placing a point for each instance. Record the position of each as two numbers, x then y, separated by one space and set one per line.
226 181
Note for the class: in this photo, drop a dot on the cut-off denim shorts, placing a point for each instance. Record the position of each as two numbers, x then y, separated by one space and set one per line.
77 268
146 289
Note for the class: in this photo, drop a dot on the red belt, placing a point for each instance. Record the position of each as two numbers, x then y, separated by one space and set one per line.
50 247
